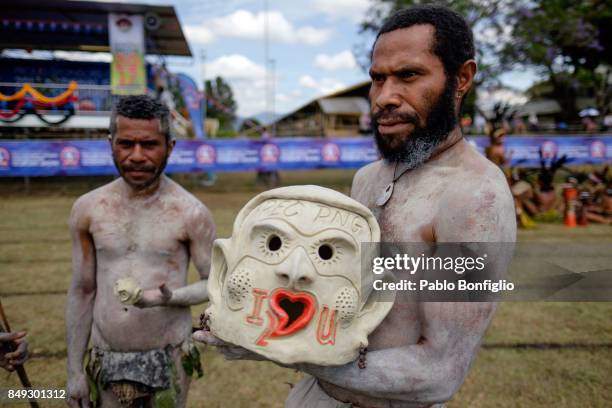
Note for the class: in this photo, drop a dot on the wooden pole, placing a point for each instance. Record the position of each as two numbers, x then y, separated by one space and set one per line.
21 372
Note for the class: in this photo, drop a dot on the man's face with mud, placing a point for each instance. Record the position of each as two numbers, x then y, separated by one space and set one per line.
290 282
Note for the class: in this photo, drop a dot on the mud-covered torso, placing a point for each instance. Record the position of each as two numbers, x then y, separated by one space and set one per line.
143 238
412 214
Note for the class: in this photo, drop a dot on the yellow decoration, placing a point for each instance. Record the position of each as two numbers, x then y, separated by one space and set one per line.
27 88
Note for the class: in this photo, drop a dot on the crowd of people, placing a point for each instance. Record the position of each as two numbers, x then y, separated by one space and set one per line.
550 192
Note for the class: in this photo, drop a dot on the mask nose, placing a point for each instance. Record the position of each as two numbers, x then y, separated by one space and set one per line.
297 271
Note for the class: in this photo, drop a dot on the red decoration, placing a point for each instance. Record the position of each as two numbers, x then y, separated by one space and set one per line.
255 316
284 326
326 328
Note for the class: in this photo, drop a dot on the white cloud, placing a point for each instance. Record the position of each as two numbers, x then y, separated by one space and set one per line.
281 97
235 66
342 60
312 36
487 98
199 34
352 9
246 78
247 25
322 87
307 81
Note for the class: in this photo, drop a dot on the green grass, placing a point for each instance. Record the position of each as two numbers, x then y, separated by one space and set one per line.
35 273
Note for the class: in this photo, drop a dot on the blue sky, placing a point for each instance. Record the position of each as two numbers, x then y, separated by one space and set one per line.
311 43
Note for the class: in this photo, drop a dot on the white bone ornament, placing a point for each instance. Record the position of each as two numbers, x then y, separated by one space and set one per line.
288 283
127 290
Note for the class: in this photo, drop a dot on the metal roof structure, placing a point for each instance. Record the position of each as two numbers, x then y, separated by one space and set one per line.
344 105
358 90
83 26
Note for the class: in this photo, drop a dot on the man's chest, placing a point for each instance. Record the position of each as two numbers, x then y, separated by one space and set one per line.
410 212
144 232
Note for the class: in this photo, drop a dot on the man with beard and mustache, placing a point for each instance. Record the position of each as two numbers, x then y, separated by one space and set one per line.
431 186
132 240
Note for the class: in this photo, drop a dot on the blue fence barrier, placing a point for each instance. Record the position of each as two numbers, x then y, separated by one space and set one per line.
93 157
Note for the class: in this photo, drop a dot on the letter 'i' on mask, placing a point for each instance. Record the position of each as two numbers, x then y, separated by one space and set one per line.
287 284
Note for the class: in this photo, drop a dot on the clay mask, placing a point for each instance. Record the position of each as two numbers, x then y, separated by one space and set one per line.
288 284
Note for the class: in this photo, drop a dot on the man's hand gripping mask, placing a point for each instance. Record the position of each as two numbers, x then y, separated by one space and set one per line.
288 283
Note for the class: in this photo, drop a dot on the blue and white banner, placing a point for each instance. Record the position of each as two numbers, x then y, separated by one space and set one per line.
193 101
93 157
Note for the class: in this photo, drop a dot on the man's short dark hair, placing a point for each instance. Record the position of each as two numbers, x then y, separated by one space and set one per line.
453 38
141 107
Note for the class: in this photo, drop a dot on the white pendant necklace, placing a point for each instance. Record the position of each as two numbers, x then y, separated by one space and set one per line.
388 191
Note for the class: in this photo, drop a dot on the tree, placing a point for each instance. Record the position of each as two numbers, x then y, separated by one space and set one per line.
220 102
568 43
564 40
484 16
251 127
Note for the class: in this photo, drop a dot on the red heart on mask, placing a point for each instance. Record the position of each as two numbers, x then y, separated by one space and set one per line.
293 309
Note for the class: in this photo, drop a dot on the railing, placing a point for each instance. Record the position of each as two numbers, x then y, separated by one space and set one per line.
89 103
89 97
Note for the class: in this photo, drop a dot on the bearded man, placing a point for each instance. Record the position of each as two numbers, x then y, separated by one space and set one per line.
431 186
132 241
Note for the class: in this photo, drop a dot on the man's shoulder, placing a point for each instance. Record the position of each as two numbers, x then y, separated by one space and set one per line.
480 171
362 180
474 180
368 171
93 196
476 204
183 198
83 207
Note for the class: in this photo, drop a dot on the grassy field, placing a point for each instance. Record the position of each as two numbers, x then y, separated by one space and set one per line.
534 354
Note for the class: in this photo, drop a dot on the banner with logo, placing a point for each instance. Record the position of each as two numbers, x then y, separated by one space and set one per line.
193 101
126 36
93 157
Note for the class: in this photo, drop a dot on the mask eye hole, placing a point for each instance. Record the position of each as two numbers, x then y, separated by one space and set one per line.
274 243
326 252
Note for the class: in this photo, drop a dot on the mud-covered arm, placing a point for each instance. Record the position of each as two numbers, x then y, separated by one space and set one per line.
82 291
202 233
428 372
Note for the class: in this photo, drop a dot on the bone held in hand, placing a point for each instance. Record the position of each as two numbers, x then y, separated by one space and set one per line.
128 291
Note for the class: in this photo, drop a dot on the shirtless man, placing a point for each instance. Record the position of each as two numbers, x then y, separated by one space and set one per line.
142 227
444 191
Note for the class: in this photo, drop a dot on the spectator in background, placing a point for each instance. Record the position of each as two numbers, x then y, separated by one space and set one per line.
534 123
265 135
267 178
518 124
590 126
479 123
466 124
607 122
495 151
365 123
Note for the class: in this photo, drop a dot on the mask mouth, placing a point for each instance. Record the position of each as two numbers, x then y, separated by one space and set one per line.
294 310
